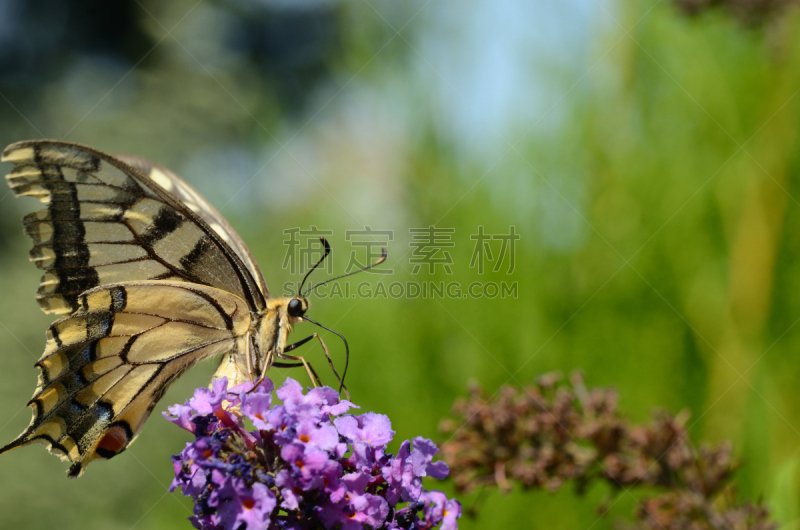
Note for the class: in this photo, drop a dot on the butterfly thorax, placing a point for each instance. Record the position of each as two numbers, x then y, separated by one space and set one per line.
265 341
271 332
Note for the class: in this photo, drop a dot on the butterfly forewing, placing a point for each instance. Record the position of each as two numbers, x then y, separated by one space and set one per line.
188 196
105 222
106 366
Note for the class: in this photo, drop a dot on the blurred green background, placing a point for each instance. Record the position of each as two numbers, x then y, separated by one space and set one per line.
647 159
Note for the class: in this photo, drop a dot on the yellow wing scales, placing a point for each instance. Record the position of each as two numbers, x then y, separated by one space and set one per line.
105 367
105 222
187 195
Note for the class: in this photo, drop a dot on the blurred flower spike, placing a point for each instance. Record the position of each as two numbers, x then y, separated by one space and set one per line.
306 463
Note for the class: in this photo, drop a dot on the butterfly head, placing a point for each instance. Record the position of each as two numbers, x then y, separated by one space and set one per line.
297 307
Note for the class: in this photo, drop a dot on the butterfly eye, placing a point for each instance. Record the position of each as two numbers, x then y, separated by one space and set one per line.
296 308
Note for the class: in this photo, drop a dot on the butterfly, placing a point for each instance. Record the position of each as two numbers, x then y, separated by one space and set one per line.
151 280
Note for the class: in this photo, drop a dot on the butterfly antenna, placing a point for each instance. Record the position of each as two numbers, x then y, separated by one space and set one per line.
377 262
346 349
327 251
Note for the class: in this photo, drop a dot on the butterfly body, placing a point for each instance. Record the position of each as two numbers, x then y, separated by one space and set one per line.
150 279
269 335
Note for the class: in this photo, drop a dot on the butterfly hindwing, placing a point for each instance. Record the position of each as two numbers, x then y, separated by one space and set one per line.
106 222
105 367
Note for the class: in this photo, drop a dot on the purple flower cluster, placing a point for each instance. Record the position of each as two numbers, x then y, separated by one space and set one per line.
307 464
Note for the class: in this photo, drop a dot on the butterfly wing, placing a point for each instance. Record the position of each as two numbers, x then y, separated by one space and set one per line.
190 197
231 366
106 222
105 367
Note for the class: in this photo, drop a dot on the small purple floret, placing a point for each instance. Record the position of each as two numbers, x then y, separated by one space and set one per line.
305 463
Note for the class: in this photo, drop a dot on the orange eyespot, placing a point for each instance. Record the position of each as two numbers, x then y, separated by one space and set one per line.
112 442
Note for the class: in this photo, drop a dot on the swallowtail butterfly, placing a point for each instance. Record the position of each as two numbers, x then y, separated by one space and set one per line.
150 279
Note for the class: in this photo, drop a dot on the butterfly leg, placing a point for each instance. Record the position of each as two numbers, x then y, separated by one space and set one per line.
303 362
291 347
330 363
315 380
297 344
